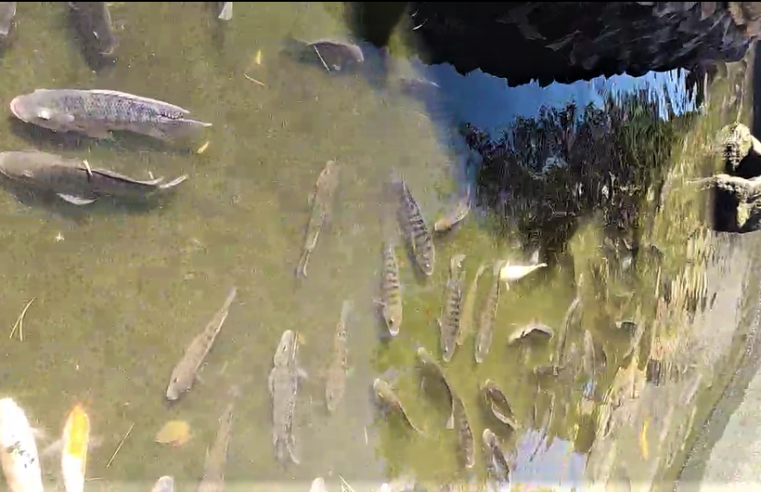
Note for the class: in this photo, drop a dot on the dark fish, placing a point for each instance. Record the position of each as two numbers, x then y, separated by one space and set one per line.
416 231
387 396
498 463
74 180
497 402
96 112
214 469
335 384
449 322
7 13
427 360
225 10
464 433
321 200
334 56
488 315
93 21
529 329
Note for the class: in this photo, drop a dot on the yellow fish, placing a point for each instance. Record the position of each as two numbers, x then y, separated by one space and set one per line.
643 447
76 436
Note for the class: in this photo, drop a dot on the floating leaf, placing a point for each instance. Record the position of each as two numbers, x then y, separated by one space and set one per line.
174 432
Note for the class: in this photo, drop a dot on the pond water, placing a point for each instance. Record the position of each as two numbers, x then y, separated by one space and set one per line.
119 293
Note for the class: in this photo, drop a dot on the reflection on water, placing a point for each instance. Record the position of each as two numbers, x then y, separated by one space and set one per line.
120 295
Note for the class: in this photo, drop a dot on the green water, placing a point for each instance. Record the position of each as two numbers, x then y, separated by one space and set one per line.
119 295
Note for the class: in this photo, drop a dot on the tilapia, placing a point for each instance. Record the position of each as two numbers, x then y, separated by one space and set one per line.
185 372
498 404
7 13
225 10
18 450
488 315
427 360
525 331
335 384
164 484
74 180
449 322
416 231
509 273
464 433
387 396
469 304
390 301
96 112
216 458
321 200
93 22
455 215
283 383
334 56
498 463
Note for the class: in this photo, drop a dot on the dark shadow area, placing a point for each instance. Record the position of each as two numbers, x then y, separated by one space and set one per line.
89 25
374 21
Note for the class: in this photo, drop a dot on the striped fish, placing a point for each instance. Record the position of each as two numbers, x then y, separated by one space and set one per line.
416 231
449 322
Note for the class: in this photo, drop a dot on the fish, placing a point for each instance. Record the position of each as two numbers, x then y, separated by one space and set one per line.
318 485
18 450
225 10
334 56
390 301
335 385
451 313
216 458
93 22
185 372
76 436
73 180
499 464
416 231
7 13
530 328
509 273
95 113
387 396
488 315
427 360
455 215
589 360
498 404
283 383
164 484
469 304
321 200
464 433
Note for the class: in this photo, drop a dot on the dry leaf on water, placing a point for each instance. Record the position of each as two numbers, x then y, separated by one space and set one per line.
174 432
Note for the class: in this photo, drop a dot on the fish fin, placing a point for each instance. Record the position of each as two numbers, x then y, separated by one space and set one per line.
199 378
271 382
291 447
450 420
164 105
75 200
379 302
97 133
173 183
534 260
227 12
302 373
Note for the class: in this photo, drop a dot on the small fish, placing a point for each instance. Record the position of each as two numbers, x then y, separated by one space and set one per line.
7 13
390 301
449 321
321 200
387 396
416 231
498 462
185 372
530 328
96 112
334 56
497 402
225 10
93 22
318 485
164 484
509 273
589 360
73 180
426 358
464 433
18 450
488 315
335 385
454 216
214 469
283 383
76 436
469 304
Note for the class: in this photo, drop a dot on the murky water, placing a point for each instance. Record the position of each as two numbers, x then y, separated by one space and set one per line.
120 293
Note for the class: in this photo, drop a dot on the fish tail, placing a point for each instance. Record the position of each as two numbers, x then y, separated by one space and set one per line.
173 183
227 11
301 269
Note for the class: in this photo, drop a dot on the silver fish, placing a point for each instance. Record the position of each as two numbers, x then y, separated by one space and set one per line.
416 231
164 484
498 404
426 358
96 112
464 433
283 383
7 13
455 215
390 301
488 315
185 372
499 464
387 396
589 360
449 322
321 200
335 384
469 304
225 10
318 485
74 180
93 21
530 328
214 469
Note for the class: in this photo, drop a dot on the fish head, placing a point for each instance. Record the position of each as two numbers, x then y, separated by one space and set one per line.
285 349
393 319
41 107
179 383
164 484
